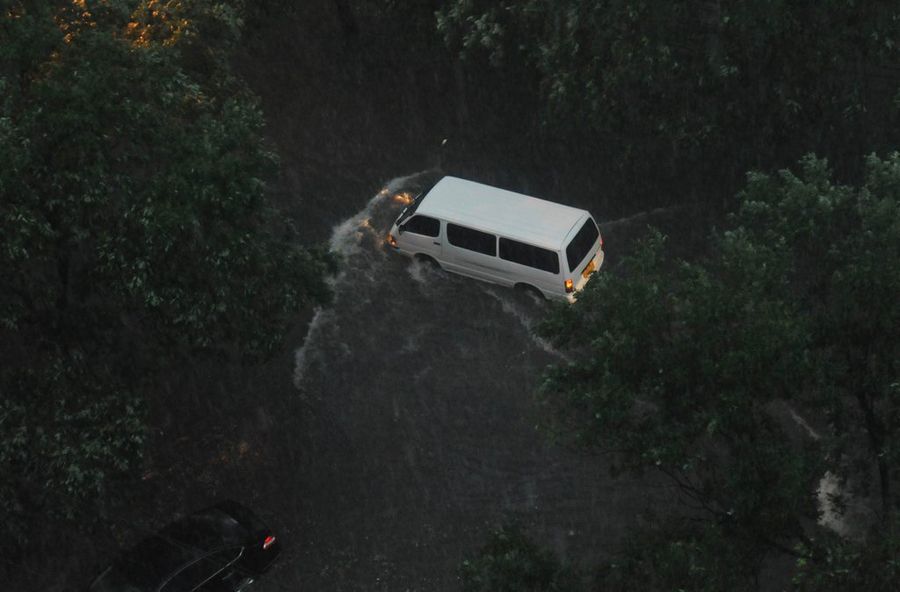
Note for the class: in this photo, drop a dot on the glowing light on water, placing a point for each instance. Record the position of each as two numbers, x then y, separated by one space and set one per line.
404 197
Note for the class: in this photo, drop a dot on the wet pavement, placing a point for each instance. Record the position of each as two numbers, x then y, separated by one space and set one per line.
417 429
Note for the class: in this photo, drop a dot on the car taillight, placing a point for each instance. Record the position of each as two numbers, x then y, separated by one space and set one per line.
270 540
570 286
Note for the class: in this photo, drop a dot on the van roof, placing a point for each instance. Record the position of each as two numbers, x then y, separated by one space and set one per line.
514 215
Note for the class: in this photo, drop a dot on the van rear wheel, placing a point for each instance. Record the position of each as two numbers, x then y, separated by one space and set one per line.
531 292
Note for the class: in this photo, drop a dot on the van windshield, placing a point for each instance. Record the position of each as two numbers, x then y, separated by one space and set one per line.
581 244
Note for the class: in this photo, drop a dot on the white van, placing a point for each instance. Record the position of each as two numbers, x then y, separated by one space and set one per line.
501 237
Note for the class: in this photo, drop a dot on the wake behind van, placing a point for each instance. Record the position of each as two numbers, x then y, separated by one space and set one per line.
501 237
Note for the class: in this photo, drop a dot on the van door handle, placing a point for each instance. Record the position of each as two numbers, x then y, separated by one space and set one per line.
437 243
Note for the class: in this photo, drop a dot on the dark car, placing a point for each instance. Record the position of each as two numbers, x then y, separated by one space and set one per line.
220 549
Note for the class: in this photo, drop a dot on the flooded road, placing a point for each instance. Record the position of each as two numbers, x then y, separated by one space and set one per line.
418 431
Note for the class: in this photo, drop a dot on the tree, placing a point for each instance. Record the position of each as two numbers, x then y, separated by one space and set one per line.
134 232
842 244
511 562
678 555
693 93
854 565
683 367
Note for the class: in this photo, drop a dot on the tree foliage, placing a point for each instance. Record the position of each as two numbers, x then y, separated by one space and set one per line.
679 556
511 562
695 92
843 245
688 367
672 556
682 366
873 564
134 230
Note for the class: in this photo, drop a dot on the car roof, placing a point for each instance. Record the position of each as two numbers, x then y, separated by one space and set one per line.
206 529
514 215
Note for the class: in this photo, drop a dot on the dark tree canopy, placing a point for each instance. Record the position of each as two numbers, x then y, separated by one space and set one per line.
693 93
510 562
697 369
134 231
694 368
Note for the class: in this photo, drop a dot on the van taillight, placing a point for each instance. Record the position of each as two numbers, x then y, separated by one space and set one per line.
570 286
270 540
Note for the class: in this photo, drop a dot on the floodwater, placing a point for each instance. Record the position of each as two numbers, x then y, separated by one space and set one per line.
414 429
419 430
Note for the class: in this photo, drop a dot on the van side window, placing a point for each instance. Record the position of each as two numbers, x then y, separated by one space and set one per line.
423 225
471 239
529 255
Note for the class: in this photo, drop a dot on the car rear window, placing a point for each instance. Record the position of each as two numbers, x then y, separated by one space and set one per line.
581 244
154 560
201 571
525 254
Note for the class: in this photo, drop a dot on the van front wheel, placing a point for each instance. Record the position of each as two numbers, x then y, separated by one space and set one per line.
428 260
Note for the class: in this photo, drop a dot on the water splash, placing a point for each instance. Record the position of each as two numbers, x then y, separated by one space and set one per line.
430 279
363 234
832 516
358 240
804 424
645 217
347 237
839 511
417 270
527 323
304 354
